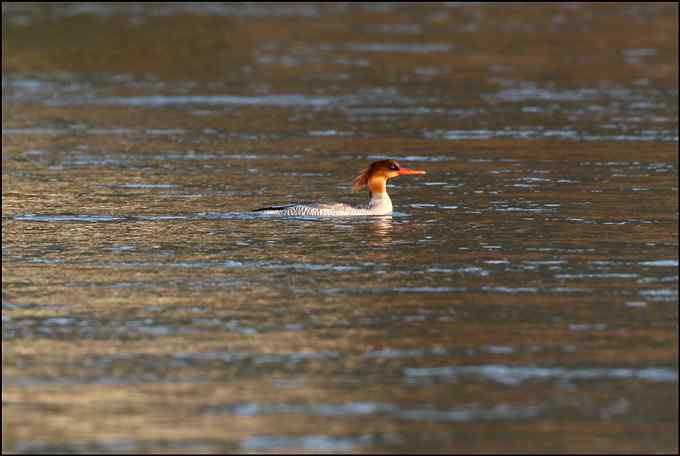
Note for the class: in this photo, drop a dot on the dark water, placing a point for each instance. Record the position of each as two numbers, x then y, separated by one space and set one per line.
524 296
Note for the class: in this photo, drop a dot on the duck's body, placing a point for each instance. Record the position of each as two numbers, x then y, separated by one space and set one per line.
376 206
374 177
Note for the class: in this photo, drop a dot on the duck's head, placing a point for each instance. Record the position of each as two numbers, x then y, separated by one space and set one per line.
377 174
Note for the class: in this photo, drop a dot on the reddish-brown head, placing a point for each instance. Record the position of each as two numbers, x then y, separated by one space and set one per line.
377 174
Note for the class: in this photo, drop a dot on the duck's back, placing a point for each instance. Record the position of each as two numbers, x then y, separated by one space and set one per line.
320 210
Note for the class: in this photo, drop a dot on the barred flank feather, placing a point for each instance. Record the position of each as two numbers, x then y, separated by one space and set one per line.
274 208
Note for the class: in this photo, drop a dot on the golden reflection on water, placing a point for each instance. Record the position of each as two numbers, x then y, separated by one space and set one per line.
381 230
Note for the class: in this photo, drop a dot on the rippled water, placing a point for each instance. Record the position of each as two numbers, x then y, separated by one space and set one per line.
523 296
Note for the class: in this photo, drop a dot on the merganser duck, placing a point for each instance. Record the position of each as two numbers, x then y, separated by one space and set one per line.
374 177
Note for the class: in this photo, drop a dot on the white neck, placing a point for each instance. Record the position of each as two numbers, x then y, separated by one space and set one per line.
380 202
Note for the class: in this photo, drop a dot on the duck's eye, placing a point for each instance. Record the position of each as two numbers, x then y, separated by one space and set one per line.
393 167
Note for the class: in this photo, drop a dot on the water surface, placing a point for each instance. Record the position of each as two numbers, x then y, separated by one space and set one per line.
523 297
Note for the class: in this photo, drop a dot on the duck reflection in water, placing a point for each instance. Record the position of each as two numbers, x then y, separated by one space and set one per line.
381 231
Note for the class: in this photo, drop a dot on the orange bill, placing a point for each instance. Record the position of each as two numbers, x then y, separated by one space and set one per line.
410 171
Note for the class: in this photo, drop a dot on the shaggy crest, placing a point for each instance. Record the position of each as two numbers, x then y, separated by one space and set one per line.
362 179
